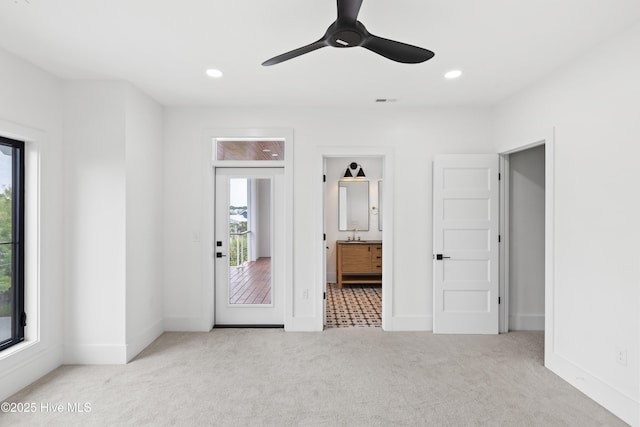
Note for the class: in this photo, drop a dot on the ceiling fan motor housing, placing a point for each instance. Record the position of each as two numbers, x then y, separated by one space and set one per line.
346 36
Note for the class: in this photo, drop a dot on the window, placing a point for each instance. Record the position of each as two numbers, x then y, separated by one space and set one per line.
12 316
260 149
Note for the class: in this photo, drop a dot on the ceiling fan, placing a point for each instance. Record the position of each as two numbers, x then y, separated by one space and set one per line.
347 31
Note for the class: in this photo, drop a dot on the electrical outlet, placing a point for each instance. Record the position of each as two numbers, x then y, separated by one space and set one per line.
621 356
305 294
196 237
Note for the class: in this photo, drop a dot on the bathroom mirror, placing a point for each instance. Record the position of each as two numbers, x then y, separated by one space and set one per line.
353 205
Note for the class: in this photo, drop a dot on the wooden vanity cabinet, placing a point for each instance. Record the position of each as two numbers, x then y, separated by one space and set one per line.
359 263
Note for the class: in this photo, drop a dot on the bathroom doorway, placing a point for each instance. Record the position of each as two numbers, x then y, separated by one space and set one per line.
353 241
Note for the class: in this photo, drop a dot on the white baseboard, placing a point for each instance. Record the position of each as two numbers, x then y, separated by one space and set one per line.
526 322
112 354
408 323
26 366
95 354
185 324
620 404
303 324
142 341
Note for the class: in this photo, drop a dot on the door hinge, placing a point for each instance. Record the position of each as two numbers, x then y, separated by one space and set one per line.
499 300
324 178
324 237
324 295
499 238
499 176
23 319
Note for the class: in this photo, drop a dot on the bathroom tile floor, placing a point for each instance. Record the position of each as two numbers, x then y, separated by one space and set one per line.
354 306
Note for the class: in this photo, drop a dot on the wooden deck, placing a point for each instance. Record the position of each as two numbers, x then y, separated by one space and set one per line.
251 283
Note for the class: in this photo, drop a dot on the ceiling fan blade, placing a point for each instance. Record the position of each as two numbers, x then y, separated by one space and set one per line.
397 51
296 52
348 11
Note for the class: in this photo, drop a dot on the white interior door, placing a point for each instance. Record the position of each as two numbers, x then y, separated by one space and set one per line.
249 246
465 244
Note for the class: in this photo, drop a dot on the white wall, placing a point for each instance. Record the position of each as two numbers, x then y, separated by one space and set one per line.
335 169
526 240
112 148
95 222
113 201
593 105
144 203
30 110
414 135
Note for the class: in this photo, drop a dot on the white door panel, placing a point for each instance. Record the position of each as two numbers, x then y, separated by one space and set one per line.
465 243
249 285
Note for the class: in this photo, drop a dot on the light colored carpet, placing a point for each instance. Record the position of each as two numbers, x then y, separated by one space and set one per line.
340 377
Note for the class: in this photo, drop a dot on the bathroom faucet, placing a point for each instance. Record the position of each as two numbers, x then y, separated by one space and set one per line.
355 233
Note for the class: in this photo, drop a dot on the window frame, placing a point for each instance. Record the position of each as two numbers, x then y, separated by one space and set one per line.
18 315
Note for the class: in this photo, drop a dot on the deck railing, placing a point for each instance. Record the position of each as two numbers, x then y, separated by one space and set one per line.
238 247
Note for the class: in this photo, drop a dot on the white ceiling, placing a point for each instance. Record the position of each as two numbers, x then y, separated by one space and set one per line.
164 46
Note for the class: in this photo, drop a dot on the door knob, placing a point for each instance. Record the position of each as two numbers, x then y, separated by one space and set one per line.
219 255
440 257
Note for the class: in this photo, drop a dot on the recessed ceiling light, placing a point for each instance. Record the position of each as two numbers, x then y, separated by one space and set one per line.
275 155
453 74
266 150
212 72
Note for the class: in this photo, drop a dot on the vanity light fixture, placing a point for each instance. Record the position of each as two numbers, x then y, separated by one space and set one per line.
353 166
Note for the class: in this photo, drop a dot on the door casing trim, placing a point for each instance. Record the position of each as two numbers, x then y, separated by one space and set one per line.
207 315
546 138
386 155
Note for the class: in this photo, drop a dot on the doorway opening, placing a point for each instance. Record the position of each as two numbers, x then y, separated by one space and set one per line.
353 241
524 226
460 237
249 245
254 154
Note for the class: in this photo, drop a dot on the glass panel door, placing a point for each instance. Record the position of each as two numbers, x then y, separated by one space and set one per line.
249 244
